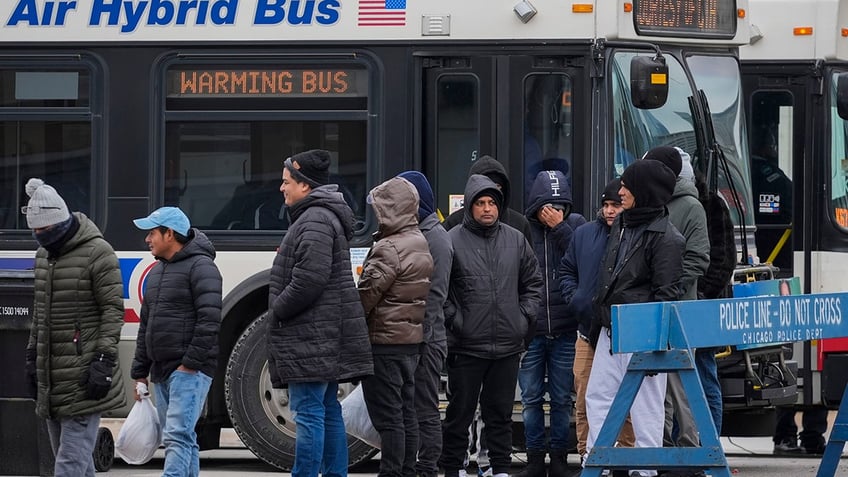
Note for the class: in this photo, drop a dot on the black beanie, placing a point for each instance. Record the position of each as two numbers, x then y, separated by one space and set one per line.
611 191
668 156
312 167
650 182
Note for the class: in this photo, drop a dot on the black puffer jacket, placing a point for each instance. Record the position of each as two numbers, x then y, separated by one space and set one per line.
550 245
650 271
317 326
491 168
495 286
181 313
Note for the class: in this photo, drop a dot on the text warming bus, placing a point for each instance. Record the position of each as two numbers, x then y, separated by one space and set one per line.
125 106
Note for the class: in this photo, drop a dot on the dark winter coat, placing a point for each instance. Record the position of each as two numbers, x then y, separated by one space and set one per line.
181 313
441 250
491 168
396 273
716 280
580 268
687 215
495 287
77 315
317 325
550 245
650 270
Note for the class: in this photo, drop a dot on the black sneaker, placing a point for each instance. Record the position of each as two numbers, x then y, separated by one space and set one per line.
787 448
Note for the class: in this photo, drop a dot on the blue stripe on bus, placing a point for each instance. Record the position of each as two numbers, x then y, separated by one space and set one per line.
17 263
127 267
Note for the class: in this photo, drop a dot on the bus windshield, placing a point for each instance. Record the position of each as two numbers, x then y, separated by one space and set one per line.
838 158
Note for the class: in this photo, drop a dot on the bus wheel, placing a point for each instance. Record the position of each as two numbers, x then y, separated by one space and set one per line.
259 413
104 450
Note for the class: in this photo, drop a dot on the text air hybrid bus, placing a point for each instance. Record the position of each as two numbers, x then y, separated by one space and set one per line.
799 167
125 106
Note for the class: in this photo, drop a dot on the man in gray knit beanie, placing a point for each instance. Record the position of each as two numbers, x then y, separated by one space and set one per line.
46 207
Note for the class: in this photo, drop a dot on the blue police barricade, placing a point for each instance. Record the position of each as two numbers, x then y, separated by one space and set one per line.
660 336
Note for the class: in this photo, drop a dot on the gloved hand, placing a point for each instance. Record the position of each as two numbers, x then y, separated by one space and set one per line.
31 374
97 380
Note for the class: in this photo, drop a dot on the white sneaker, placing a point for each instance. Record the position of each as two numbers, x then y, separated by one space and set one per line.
463 473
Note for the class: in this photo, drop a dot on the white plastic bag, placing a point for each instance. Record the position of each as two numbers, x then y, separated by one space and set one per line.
356 419
141 433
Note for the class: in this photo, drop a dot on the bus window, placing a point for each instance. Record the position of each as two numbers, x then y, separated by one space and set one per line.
771 175
839 162
637 130
228 131
457 136
548 128
55 147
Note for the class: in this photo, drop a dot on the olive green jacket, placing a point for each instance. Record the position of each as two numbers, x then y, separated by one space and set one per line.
78 314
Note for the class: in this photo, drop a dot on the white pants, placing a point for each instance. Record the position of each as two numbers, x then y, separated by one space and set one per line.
647 412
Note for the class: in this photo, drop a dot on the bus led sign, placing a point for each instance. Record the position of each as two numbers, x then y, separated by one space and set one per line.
685 18
294 83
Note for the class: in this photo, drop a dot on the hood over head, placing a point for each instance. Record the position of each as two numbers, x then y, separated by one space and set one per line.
549 187
494 170
395 204
426 199
479 185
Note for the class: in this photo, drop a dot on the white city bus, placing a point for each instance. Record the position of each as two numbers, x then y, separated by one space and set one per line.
125 106
798 51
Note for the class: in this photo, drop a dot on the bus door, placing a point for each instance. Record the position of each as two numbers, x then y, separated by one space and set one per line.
518 109
777 131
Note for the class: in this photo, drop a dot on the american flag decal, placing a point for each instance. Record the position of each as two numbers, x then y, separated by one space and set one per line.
382 13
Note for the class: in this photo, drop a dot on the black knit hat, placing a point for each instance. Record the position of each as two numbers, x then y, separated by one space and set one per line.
611 191
650 182
667 155
312 167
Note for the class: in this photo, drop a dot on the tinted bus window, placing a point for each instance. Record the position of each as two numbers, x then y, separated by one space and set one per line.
548 128
55 145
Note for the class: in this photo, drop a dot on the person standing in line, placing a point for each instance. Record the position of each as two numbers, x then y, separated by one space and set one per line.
495 292
317 335
177 343
393 286
547 364
687 215
494 170
643 262
579 283
434 348
78 312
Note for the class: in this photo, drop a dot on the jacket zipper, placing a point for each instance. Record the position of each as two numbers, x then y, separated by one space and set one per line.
547 295
77 337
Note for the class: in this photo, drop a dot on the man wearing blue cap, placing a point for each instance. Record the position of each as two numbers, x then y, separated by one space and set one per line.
177 343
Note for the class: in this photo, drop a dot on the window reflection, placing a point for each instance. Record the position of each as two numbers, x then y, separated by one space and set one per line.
227 175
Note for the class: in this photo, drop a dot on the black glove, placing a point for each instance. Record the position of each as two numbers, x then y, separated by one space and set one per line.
31 374
98 378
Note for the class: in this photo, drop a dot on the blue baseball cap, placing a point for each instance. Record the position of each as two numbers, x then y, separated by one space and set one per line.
171 217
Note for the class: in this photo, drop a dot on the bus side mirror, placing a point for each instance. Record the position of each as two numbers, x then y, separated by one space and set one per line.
842 95
648 82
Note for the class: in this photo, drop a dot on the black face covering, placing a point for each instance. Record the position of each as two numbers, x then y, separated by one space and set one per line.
53 238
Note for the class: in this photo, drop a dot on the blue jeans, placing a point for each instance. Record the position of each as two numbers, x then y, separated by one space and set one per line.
321 442
179 401
73 439
705 364
551 356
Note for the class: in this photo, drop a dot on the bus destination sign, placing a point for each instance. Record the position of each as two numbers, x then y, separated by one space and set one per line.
288 83
685 18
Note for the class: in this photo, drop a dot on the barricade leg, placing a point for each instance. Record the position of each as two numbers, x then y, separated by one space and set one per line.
836 442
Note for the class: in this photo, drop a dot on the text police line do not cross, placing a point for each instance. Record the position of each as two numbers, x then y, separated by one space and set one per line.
737 321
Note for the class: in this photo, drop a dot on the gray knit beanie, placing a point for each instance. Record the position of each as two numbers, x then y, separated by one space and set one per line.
46 207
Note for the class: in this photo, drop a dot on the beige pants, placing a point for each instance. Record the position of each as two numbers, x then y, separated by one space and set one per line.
583 355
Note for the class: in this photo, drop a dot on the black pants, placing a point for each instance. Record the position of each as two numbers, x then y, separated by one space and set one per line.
814 422
390 399
493 381
427 378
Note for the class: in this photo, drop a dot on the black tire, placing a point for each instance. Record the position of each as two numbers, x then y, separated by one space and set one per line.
259 413
104 450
